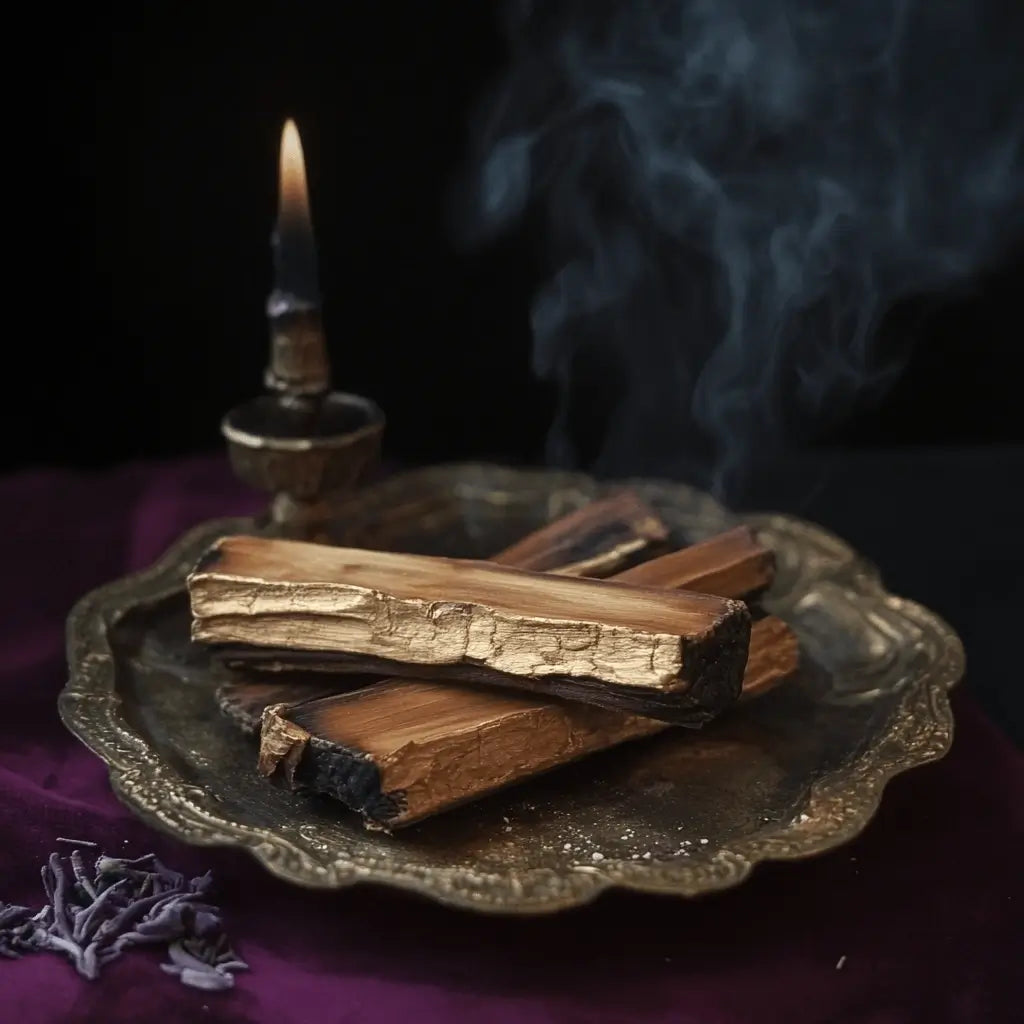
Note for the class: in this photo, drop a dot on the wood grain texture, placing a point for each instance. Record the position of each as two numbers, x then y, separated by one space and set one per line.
594 540
243 701
402 750
676 655
730 563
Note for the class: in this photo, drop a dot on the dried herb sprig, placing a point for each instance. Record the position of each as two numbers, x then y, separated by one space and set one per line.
93 919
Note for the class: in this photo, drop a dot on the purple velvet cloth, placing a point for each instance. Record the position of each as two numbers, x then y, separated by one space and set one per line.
925 906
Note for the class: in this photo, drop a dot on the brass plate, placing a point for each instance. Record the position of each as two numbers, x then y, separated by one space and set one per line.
795 773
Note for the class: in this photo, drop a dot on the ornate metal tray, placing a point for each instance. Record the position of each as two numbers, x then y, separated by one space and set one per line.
796 773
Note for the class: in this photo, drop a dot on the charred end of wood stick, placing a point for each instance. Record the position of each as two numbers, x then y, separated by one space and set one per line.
309 762
353 779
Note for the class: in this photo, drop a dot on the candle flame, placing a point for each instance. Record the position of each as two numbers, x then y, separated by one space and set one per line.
293 205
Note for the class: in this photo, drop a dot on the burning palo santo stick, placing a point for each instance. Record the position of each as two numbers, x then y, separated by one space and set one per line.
595 540
399 751
674 655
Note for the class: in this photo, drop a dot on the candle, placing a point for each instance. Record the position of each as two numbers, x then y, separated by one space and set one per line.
295 270
298 367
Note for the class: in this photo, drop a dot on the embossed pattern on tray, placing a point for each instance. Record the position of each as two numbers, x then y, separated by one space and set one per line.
795 773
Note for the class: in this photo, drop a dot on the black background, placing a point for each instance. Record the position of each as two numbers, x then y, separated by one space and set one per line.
156 178
159 168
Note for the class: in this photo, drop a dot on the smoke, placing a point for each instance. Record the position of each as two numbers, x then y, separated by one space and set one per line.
734 192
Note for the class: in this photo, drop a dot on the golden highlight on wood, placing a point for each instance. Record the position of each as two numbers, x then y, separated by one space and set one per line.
675 655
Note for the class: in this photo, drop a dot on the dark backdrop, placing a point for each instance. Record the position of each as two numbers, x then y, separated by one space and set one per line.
159 165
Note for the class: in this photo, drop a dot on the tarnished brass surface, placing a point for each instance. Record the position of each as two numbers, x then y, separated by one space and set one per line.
795 773
306 453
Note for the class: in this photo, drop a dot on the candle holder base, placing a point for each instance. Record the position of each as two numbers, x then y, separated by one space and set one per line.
299 520
304 451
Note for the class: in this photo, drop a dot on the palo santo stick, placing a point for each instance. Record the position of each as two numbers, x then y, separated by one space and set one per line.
774 657
243 701
674 655
400 751
730 564
594 540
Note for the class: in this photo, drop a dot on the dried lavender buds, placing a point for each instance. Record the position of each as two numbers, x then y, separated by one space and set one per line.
93 918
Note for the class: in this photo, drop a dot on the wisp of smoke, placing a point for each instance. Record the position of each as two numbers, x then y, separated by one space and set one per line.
734 192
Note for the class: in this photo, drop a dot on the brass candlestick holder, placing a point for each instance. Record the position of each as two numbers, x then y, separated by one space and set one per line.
303 443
